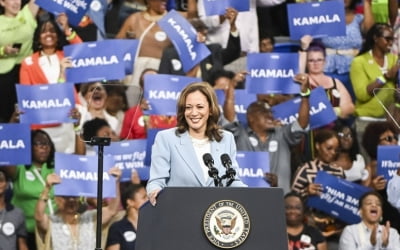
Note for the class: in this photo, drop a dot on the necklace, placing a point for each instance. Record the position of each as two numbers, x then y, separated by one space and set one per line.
154 18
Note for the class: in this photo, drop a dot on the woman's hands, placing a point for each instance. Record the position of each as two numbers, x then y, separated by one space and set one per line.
153 196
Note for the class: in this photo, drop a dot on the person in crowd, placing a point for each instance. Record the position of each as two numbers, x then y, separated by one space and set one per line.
340 50
326 147
373 72
369 234
122 234
12 219
171 64
116 103
263 133
178 153
300 234
16 28
29 181
67 228
47 66
267 44
313 62
380 134
393 190
94 105
349 157
153 40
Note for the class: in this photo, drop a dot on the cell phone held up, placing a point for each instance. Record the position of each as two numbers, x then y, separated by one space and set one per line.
17 45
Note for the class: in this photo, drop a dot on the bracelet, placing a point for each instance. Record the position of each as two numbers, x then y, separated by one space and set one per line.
381 80
305 94
72 36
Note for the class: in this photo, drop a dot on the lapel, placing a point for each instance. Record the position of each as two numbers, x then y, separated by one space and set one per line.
186 151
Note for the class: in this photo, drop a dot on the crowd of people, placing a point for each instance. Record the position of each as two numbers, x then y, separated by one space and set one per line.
359 73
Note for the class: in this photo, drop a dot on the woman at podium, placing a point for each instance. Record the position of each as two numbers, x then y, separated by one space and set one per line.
184 156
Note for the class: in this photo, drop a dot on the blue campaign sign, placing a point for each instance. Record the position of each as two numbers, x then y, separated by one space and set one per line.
252 166
272 73
151 136
321 111
96 61
128 155
184 38
317 19
78 175
339 197
162 92
128 49
242 100
74 9
46 103
15 144
388 161
218 7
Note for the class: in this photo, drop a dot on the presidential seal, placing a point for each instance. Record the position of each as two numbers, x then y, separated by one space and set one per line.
226 224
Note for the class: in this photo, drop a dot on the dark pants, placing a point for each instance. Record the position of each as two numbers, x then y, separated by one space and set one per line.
31 242
8 94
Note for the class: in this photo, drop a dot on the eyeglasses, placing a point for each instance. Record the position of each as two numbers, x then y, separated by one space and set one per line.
388 138
319 60
340 134
41 143
388 38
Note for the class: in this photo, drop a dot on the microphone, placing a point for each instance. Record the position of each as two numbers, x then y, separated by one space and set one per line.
230 172
212 171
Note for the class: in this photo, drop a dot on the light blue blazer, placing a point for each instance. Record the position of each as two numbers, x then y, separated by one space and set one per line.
174 162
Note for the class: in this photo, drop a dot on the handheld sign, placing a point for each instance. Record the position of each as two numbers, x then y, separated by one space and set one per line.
218 7
318 19
78 175
272 73
15 144
74 9
339 197
253 165
162 97
46 103
388 161
184 37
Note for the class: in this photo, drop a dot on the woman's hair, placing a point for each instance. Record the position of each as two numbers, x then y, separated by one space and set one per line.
213 131
91 127
375 31
42 21
371 135
355 149
129 193
50 159
84 87
317 46
323 135
365 195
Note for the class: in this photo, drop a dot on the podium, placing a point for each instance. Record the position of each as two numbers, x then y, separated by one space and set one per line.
197 218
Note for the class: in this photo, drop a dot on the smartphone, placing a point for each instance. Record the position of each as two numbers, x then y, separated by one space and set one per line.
17 45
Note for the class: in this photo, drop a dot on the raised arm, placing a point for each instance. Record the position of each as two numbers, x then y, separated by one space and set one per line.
368 17
33 7
109 211
393 11
304 113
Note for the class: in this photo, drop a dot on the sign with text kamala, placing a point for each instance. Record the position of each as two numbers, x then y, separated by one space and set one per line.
252 166
78 175
388 161
218 7
46 103
321 111
317 19
272 73
102 60
15 144
128 155
74 9
184 38
163 90
339 197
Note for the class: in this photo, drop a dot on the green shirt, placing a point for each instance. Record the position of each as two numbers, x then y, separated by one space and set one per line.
363 71
17 29
380 10
27 189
